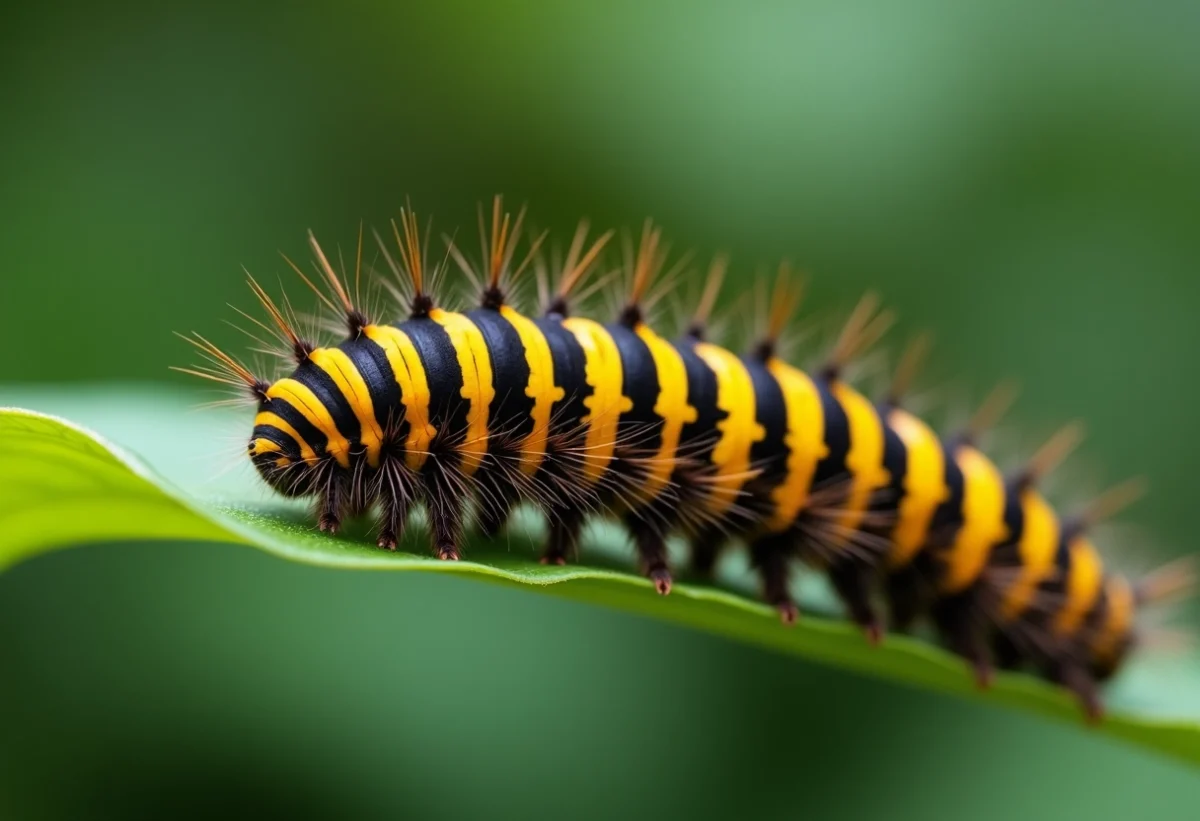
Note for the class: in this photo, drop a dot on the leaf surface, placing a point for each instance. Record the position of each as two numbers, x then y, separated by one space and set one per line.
63 485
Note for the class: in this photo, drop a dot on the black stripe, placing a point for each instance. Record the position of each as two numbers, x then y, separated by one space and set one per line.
330 395
570 374
308 431
371 362
770 411
1056 583
837 437
641 425
1008 552
511 411
699 438
948 518
447 408
895 462
289 447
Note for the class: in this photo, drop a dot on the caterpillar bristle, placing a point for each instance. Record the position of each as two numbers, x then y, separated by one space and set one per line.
910 364
866 326
575 269
225 368
355 321
643 266
312 286
410 273
1107 505
299 348
1171 582
499 249
470 415
785 300
990 412
1051 454
713 280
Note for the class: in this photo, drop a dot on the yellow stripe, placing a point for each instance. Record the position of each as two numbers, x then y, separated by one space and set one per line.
1119 620
276 421
671 407
739 430
864 461
805 440
306 403
924 486
541 388
983 520
1083 587
354 388
1036 549
414 389
605 376
261 446
477 383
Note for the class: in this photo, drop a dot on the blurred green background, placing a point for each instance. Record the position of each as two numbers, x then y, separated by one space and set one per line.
1022 178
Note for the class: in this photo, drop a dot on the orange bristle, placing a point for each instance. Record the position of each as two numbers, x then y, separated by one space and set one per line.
645 266
299 347
1052 454
1113 501
501 251
578 265
498 247
911 362
866 326
358 267
989 414
311 285
785 300
708 297
227 370
412 259
1173 581
335 281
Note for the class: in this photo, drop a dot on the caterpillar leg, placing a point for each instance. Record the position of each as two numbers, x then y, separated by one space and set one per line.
330 505
852 580
565 525
652 550
497 498
446 505
706 549
1074 676
905 599
393 514
771 556
1007 654
961 624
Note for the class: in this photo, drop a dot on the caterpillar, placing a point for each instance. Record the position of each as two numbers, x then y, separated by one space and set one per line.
478 411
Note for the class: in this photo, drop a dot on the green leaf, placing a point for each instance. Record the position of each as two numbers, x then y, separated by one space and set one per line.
62 485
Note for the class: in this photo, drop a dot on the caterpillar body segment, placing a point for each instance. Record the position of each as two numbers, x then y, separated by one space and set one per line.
470 413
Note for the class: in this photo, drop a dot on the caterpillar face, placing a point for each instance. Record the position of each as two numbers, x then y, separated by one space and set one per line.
284 472
490 408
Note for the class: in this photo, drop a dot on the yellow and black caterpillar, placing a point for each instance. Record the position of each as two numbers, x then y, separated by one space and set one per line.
482 410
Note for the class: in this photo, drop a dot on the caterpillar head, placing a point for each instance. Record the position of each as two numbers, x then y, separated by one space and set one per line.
277 462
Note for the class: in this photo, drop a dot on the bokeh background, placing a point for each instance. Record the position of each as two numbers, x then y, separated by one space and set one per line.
1020 177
